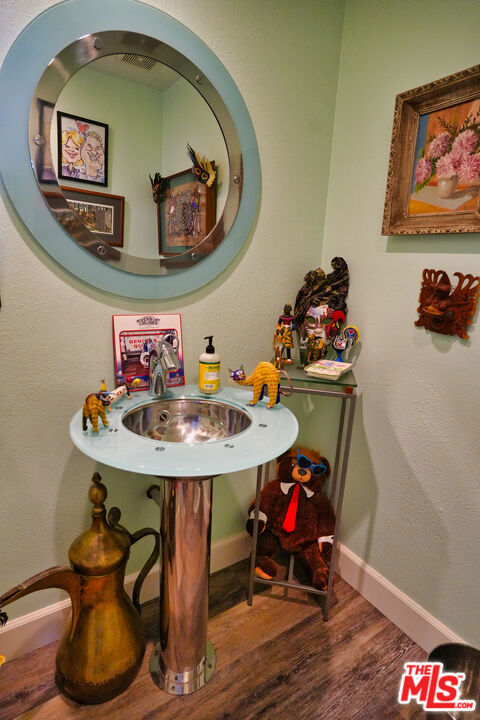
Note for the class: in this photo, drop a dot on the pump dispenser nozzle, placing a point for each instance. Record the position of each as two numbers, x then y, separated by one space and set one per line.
209 348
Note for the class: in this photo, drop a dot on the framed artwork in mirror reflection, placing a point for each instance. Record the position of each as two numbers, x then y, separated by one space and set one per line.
82 149
42 156
185 214
101 213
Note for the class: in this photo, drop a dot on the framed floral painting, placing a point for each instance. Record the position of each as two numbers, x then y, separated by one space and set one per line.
434 169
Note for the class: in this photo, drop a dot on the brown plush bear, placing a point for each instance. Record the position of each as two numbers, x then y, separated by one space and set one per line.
296 516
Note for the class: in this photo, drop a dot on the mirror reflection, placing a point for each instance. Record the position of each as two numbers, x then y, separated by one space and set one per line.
117 122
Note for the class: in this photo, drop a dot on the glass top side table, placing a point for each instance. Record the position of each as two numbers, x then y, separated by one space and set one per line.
343 389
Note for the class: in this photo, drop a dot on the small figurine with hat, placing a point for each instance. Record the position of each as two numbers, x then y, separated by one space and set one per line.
283 337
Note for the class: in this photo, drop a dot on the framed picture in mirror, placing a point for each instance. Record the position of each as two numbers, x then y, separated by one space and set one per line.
82 149
43 160
433 178
185 213
102 214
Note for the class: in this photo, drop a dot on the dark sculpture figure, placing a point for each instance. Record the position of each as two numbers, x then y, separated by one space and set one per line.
443 311
321 288
321 296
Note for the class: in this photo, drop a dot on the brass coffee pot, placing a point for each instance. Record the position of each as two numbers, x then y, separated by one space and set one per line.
103 644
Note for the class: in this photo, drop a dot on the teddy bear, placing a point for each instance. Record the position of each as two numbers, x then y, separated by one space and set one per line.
296 516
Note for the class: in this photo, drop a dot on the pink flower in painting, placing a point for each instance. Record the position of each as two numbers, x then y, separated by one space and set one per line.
465 142
447 166
423 170
439 145
469 168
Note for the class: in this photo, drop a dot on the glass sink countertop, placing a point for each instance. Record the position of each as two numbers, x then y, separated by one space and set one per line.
270 433
298 375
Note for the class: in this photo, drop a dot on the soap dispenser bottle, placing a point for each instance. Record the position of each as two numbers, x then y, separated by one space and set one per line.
209 369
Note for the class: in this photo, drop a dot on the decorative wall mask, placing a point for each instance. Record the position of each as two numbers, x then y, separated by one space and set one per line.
202 167
320 302
444 309
158 184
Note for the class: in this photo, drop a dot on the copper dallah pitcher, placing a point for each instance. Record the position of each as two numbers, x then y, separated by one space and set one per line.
103 643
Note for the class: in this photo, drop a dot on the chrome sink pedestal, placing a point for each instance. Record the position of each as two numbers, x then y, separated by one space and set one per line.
184 660
186 439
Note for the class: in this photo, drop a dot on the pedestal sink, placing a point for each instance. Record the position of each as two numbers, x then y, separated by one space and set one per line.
186 439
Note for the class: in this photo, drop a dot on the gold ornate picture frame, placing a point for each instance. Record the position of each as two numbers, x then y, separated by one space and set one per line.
433 178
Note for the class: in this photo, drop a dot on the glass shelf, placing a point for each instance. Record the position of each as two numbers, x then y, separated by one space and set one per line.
297 374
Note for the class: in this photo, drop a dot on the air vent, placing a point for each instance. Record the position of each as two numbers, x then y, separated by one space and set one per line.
140 61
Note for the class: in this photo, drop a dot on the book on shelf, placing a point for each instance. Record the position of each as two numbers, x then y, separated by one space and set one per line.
328 369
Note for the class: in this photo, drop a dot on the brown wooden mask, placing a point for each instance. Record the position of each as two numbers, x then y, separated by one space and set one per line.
445 311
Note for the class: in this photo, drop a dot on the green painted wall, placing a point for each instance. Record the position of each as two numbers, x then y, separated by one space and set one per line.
188 119
134 115
284 58
412 499
148 132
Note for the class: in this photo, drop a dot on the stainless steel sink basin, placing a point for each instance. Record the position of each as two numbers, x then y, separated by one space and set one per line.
185 420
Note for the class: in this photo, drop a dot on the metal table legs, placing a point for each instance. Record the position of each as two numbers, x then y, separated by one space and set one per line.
336 496
183 660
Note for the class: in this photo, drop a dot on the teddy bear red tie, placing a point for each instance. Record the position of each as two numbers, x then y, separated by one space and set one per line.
291 515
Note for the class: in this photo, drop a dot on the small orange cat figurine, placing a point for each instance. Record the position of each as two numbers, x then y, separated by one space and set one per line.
265 380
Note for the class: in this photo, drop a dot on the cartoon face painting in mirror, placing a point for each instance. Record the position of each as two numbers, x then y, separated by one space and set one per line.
82 149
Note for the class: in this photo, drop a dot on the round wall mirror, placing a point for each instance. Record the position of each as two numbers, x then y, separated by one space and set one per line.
110 114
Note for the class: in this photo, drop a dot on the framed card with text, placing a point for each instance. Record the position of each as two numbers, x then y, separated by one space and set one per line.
133 338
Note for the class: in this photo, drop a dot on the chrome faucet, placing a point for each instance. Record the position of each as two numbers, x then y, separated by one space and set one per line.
163 358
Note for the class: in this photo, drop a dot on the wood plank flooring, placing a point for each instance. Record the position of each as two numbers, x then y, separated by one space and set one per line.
276 660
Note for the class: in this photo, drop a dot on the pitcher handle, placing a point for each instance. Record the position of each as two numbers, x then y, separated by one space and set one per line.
114 522
151 560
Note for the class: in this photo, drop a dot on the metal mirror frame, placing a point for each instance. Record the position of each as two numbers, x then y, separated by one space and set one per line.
59 71
61 40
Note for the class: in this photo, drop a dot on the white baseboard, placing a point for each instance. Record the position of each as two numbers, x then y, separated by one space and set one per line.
405 613
41 627
44 626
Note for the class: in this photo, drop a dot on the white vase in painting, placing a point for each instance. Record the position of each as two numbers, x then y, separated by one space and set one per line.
447 186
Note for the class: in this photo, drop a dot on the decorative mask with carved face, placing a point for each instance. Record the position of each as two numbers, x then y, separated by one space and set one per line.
443 311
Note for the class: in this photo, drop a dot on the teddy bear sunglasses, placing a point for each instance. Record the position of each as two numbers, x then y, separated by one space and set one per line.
304 462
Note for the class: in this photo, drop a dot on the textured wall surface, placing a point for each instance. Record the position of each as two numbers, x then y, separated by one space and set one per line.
56 331
115 102
413 497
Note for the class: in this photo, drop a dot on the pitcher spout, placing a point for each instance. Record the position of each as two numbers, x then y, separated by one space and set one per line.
59 576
